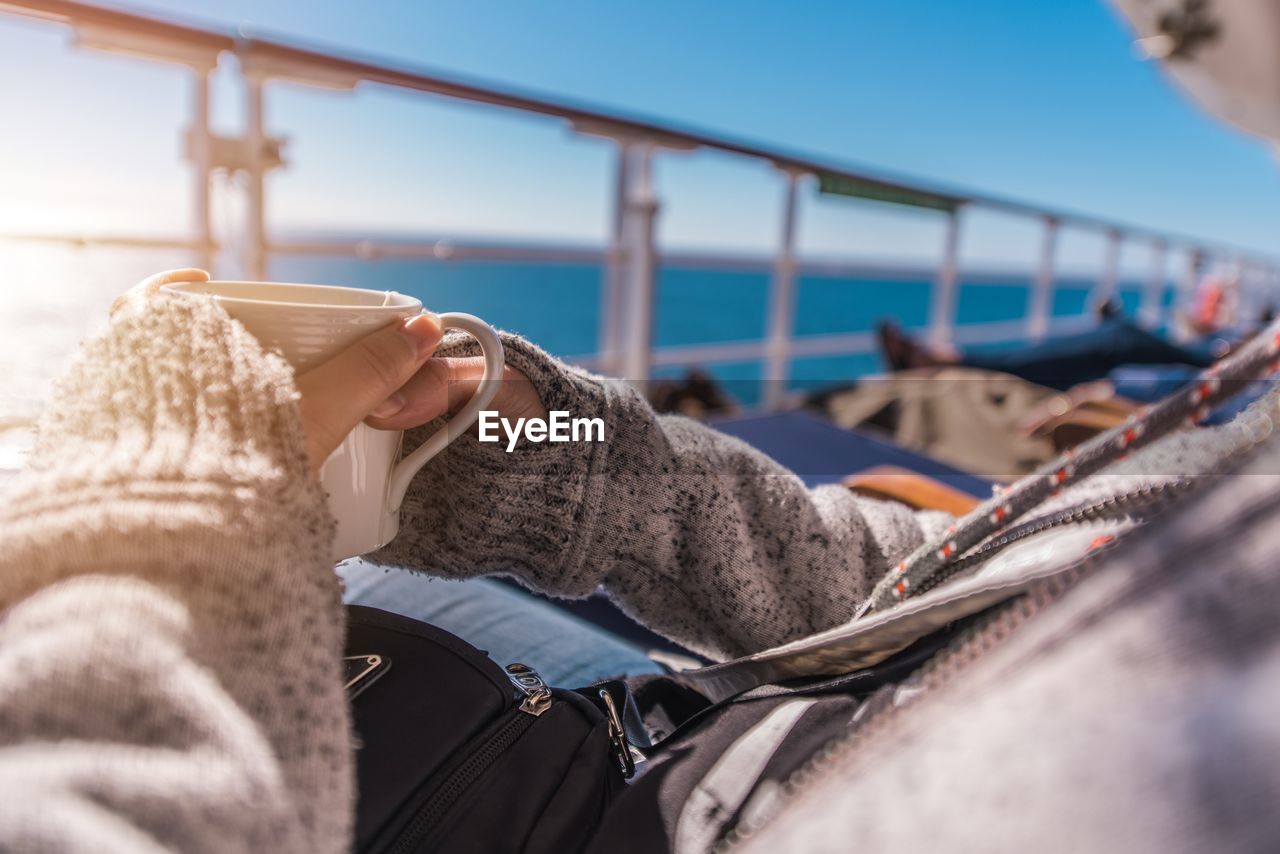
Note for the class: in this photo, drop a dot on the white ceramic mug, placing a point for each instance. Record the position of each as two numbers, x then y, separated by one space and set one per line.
307 324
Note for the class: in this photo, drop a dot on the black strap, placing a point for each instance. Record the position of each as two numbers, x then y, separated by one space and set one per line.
665 708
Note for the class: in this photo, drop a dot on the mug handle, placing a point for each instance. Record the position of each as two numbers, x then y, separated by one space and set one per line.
491 347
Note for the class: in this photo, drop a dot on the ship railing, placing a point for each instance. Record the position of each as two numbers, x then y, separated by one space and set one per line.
631 260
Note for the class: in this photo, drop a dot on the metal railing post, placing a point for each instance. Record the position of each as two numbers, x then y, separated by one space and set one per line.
1191 274
640 215
1110 278
201 145
255 237
1182 305
1152 308
782 300
613 290
1248 296
942 305
1042 290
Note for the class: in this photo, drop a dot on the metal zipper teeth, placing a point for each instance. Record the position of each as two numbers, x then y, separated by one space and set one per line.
883 706
458 781
1137 504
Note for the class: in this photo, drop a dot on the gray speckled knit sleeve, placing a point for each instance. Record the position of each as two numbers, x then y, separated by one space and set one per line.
693 533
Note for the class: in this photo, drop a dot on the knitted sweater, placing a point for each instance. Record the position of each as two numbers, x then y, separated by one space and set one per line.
171 627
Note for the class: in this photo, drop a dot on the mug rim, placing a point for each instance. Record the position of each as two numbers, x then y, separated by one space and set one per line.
191 289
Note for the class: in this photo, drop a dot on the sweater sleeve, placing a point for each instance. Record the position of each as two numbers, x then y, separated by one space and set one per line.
170 625
692 532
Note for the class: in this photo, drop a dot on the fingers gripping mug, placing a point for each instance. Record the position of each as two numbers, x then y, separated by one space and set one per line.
308 324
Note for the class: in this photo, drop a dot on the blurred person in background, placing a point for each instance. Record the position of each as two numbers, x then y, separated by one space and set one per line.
1060 362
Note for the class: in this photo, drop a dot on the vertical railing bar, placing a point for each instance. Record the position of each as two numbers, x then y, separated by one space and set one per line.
201 163
942 307
1152 307
255 261
1042 289
1266 290
1182 304
1269 290
782 300
638 234
612 295
1109 281
1248 297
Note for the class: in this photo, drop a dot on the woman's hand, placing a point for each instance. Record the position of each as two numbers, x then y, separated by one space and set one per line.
387 379
340 393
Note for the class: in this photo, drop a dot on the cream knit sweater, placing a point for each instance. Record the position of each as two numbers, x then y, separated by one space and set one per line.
171 626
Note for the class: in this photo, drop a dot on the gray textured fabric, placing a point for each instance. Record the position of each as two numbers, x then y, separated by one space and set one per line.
1137 714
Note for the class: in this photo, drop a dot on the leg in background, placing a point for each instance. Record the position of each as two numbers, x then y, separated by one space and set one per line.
1069 360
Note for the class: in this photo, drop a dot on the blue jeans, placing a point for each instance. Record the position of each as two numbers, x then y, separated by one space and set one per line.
509 624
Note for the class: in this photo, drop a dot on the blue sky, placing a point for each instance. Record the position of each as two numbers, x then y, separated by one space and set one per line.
1041 101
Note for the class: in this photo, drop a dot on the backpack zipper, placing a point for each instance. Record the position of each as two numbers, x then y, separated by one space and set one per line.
1137 504
439 804
537 696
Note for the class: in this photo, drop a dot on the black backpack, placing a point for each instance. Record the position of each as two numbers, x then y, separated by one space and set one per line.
456 754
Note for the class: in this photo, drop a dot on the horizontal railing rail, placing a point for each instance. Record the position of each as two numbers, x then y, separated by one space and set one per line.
455 250
631 259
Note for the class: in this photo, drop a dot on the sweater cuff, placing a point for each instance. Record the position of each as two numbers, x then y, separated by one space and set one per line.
173 397
478 509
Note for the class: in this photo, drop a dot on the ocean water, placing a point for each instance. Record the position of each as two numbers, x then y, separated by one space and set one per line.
52 297
558 305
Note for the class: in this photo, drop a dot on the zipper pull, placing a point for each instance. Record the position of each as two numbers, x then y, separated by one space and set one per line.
537 696
618 736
